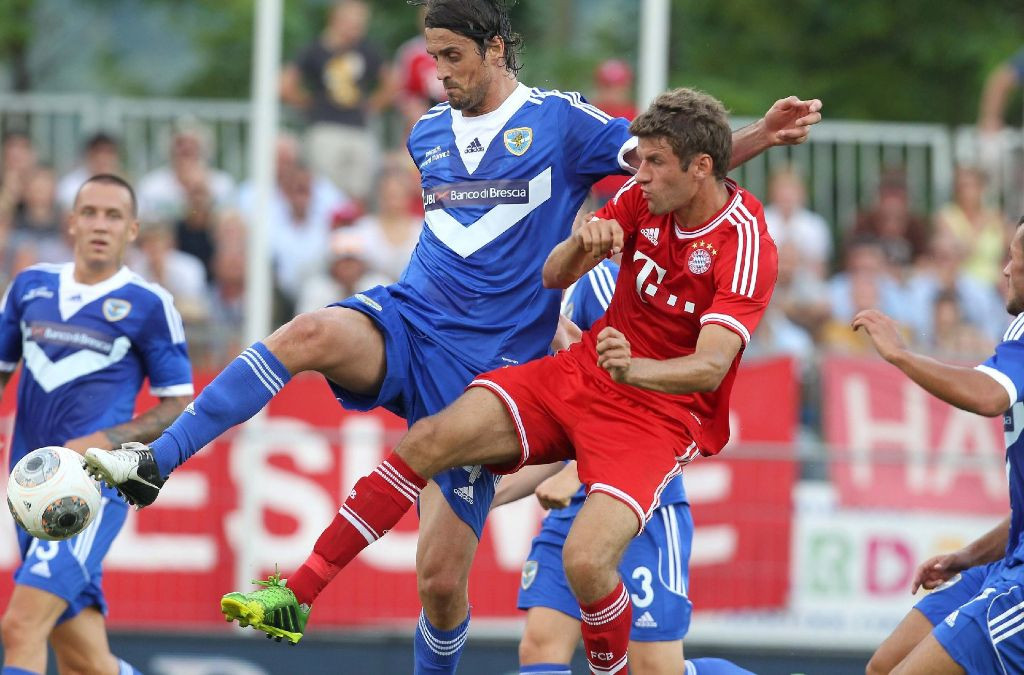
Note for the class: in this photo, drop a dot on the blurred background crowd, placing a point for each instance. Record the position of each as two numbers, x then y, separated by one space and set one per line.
347 213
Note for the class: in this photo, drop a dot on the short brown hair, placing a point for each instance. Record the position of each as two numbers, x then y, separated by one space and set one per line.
692 122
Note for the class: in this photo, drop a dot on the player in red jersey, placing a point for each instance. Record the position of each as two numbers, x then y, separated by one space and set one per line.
643 393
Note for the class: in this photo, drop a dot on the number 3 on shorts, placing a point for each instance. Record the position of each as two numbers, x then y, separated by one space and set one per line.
644 576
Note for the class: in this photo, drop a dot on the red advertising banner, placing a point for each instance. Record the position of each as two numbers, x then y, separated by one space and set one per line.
896 446
261 494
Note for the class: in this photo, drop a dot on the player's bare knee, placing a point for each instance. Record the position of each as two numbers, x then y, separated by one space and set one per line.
439 586
18 632
585 569
301 342
424 449
532 648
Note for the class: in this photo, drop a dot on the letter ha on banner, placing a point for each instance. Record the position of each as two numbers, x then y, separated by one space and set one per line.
894 445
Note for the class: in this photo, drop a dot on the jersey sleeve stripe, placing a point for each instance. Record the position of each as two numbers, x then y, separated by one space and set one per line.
598 283
3 301
567 299
1002 379
609 281
728 322
173 390
626 148
174 325
739 255
1014 330
598 115
755 252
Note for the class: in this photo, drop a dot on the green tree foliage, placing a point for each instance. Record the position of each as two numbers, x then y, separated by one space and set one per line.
922 60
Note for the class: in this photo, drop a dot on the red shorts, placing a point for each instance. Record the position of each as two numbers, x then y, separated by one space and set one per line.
562 410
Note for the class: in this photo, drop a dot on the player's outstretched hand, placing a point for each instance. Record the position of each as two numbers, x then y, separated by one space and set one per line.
614 353
789 120
883 331
936 571
599 238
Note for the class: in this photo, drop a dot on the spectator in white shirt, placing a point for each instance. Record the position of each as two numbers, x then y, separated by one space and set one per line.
789 220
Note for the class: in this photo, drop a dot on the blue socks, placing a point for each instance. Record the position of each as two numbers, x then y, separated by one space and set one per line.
438 651
239 392
545 669
11 670
714 667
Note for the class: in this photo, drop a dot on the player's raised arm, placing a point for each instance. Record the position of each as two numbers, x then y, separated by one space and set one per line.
703 370
588 245
969 389
787 122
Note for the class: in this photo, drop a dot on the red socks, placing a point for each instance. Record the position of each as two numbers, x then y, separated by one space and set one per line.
606 625
376 503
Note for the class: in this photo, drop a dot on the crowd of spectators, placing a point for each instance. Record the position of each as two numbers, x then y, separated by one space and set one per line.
347 213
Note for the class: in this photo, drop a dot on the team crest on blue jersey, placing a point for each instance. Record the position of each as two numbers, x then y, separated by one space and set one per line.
529 573
115 309
519 140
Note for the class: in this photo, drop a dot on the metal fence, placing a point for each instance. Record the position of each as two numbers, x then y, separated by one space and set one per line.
842 161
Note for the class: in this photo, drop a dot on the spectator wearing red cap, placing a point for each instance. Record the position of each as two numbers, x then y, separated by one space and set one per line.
613 93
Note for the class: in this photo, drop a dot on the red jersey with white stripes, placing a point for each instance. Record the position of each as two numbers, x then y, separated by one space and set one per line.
673 282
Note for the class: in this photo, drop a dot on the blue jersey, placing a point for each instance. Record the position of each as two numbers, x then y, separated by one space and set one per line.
500 190
584 303
1006 366
86 351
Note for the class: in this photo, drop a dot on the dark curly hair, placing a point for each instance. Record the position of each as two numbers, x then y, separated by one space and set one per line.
478 20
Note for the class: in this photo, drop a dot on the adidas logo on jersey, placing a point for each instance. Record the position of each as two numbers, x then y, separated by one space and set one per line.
646 621
465 493
475 146
951 619
651 233
41 569
191 408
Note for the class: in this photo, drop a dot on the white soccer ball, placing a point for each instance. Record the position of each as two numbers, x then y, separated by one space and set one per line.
50 494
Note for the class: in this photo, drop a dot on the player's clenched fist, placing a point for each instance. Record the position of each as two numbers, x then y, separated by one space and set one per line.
599 238
614 353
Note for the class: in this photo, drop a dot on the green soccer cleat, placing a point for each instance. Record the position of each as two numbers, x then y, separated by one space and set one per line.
272 609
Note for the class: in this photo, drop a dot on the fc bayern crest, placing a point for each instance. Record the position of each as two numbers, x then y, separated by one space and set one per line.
115 309
700 261
519 140
529 573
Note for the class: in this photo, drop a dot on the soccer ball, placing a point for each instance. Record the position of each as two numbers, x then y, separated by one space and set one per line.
50 495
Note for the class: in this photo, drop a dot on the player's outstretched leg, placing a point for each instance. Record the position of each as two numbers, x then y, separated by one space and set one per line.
593 549
444 556
475 429
343 344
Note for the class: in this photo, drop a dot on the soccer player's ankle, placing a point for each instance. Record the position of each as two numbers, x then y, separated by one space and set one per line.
311 578
165 453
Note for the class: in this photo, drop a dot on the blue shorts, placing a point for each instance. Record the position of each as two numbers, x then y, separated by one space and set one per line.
421 379
985 634
655 570
72 569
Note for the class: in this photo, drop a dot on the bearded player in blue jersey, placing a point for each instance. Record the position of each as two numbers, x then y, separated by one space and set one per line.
973 621
504 169
655 568
87 332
